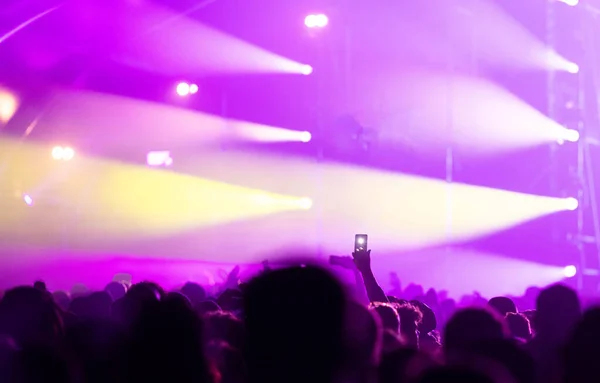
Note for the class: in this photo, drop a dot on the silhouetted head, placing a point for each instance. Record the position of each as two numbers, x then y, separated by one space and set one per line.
388 314
583 347
40 285
412 291
294 326
96 350
410 319
363 337
394 365
509 356
471 326
518 324
503 305
79 290
166 344
116 290
179 297
429 321
557 311
30 317
79 306
145 291
137 297
431 297
62 299
195 293
99 305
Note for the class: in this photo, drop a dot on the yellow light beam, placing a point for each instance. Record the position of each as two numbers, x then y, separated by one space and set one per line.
121 200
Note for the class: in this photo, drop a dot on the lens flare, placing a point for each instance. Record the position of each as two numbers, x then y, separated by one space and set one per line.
193 89
570 271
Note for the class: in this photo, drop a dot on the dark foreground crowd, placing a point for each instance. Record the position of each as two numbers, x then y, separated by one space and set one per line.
288 325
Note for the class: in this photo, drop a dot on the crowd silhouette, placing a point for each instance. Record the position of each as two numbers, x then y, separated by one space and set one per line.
295 324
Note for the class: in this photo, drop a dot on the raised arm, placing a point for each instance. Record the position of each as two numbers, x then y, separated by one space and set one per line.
362 260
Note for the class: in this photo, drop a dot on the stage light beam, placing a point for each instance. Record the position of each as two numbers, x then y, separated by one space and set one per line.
193 89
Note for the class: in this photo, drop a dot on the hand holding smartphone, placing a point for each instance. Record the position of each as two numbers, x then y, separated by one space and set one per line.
362 254
360 242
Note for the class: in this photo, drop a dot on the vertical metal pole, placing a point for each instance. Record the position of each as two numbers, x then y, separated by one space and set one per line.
581 195
554 147
552 113
320 197
589 77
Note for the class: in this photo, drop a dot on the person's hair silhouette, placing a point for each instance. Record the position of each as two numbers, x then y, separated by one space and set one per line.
294 324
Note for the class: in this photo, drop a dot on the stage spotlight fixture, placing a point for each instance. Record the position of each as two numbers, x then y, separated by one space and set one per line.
570 271
57 152
63 153
572 68
570 135
316 21
305 137
305 203
68 153
193 88
571 203
159 158
306 70
28 200
183 89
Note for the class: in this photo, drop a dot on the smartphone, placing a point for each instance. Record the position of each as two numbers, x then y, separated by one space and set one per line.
360 242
